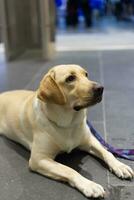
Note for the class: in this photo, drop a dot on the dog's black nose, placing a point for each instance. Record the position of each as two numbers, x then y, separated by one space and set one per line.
98 90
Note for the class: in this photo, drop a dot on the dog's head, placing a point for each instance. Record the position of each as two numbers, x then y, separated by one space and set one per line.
69 85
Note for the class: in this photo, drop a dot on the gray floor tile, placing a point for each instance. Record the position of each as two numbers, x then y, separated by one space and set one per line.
120 192
119 117
95 113
119 98
118 70
17 74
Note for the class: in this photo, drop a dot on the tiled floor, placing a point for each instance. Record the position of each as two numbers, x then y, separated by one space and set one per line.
114 118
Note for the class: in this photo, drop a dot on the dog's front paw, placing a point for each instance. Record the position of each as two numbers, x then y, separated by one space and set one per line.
91 189
121 170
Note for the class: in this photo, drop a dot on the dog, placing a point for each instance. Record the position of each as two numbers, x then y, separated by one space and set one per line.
52 120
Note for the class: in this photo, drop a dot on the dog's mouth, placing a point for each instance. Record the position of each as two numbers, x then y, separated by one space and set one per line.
88 103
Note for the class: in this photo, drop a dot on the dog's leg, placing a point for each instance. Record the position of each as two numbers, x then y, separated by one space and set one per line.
57 171
93 146
47 166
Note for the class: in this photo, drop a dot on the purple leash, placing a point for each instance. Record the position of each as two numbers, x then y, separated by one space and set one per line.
122 153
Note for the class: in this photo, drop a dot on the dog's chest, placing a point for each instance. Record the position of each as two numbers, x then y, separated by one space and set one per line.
68 139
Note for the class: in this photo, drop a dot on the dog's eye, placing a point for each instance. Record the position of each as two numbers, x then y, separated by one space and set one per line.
86 74
70 78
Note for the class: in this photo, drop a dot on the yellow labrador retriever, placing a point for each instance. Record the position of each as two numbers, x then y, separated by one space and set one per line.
52 120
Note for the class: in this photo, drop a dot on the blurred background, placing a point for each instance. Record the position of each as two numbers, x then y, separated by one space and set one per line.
39 27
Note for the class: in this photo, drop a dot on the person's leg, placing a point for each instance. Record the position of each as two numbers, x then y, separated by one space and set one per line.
87 11
71 13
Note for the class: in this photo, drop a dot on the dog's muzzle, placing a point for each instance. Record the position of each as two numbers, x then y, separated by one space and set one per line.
96 98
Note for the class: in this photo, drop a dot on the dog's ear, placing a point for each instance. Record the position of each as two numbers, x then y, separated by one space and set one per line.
50 91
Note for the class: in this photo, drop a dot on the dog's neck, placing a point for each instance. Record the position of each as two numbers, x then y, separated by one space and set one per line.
62 116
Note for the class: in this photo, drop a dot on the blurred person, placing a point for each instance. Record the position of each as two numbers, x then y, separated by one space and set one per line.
73 6
72 13
85 5
118 9
128 9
